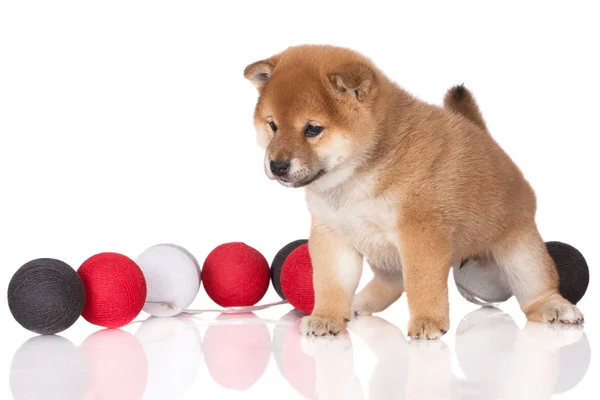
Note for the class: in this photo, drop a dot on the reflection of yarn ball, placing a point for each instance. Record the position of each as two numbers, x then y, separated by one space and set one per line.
279 332
173 347
573 272
235 274
297 279
49 368
484 345
574 363
115 289
172 276
237 355
299 368
117 365
278 261
46 296
480 281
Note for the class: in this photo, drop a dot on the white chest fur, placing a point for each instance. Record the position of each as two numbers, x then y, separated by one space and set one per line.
366 223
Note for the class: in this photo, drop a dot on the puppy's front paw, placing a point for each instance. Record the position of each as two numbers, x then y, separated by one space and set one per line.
427 327
313 325
555 310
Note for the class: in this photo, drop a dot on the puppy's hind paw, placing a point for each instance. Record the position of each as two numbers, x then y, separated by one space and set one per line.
555 310
362 309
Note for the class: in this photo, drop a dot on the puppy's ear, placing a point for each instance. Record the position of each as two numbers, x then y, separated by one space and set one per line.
357 79
260 72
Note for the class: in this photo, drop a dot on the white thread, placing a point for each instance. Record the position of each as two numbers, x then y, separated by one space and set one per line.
227 310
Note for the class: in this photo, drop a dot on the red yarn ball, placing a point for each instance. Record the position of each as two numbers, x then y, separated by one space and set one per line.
297 280
115 289
236 275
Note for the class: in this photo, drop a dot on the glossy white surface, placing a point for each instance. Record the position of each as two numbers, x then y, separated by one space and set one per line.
488 353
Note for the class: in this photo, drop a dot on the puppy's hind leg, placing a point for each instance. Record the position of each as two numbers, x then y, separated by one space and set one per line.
383 290
531 274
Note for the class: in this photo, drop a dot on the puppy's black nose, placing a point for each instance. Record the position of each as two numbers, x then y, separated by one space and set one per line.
280 168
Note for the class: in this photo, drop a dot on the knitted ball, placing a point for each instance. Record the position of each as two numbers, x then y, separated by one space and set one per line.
172 276
237 355
480 282
116 364
235 275
278 261
173 348
49 368
115 289
297 280
46 296
573 272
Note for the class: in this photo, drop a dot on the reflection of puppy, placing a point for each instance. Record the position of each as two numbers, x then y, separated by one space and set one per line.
525 363
429 371
295 366
391 348
537 370
334 367
413 188
316 369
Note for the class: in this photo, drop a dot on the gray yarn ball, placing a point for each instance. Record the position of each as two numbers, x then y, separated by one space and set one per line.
481 282
46 296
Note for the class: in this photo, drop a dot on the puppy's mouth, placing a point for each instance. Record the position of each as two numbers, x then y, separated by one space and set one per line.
297 184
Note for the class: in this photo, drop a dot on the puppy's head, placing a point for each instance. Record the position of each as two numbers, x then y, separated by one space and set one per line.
315 112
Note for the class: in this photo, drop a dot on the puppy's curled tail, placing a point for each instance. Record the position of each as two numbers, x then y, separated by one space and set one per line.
459 99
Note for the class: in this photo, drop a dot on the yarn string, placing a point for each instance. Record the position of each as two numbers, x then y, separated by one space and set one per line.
226 310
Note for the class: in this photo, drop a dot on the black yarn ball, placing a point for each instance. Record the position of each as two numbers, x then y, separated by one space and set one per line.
46 296
573 272
278 261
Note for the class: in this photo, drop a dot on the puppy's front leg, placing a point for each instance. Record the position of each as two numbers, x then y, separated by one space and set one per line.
337 268
425 254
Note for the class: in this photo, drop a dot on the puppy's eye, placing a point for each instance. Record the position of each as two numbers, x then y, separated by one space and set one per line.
312 130
273 126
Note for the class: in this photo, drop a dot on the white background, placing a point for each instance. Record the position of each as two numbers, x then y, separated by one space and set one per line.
128 123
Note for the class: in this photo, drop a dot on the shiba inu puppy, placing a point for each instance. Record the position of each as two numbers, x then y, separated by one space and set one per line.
411 188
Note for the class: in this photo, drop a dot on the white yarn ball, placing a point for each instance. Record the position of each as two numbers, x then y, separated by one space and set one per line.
482 282
172 276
